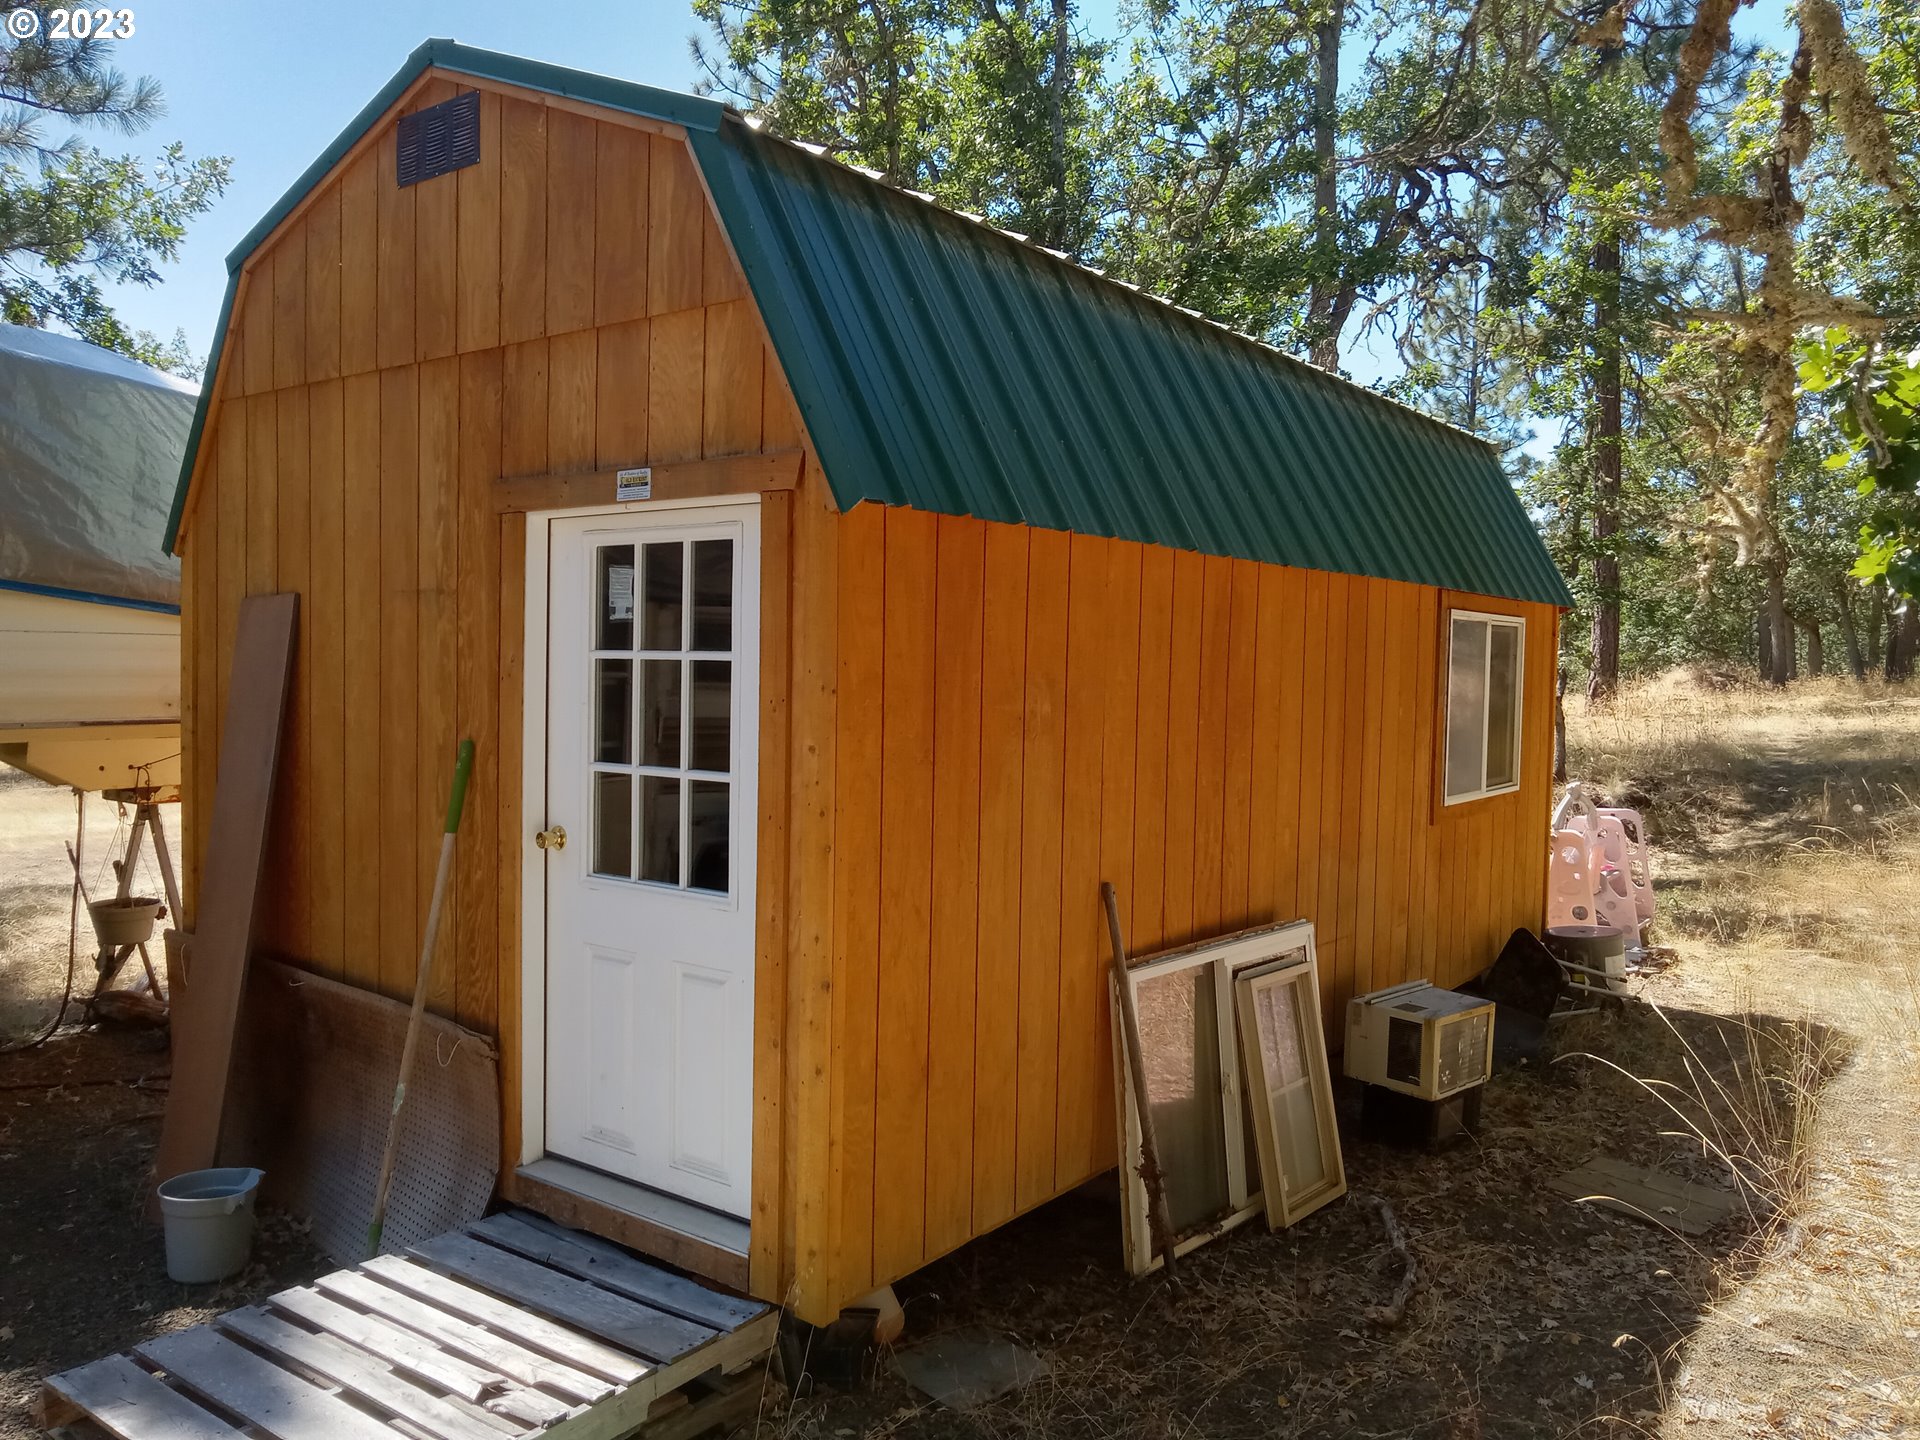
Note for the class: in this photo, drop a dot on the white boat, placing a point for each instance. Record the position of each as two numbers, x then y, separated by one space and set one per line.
90 446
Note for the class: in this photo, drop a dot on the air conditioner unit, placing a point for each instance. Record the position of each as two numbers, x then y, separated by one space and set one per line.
1420 1040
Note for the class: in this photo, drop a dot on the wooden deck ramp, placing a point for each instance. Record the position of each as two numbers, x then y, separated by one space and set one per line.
513 1327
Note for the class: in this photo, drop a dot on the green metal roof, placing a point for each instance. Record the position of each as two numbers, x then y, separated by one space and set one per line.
941 364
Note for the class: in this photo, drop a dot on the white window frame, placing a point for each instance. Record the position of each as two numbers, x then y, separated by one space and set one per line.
1272 946
1518 624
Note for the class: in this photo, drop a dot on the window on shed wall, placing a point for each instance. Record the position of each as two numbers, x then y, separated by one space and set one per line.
1484 654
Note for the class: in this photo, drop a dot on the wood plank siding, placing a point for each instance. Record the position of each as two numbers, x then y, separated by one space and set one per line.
964 726
395 356
1230 743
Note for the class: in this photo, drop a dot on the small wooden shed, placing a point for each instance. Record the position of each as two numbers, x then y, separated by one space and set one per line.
856 586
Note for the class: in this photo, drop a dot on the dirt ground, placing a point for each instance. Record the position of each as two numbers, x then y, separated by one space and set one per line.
1532 1317
83 1273
1780 1051
1794 886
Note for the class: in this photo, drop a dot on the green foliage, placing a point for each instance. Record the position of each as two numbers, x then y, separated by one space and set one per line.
1487 192
857 77
1213 95
1017 138
1187 154
1859 240
985 104
74 219
1457 366
1871 401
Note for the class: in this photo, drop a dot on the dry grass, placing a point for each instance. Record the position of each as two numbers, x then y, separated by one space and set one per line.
1790 885
1782 818
36 819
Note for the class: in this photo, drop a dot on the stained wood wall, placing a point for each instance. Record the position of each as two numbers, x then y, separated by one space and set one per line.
965 727
1021 714
566 304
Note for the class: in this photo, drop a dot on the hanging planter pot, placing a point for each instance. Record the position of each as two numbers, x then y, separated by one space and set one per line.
123 922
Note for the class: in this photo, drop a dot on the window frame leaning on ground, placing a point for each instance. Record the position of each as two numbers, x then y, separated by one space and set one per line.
1490 621
1222 961
1297 972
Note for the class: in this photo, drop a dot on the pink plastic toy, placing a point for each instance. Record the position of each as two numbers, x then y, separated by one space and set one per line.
1600 871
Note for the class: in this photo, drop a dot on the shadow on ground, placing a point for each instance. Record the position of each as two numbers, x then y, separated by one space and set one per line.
1534 1316
82 1272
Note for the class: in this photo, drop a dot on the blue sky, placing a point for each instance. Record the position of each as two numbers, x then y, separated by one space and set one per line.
271 85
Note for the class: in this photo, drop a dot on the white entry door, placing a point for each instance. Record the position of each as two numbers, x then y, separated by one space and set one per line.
653 663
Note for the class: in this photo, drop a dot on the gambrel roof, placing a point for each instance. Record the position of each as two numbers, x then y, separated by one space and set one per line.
942 364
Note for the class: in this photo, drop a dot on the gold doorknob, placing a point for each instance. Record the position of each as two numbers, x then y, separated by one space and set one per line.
554 839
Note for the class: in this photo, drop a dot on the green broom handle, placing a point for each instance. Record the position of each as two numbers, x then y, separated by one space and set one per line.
462 772
456 803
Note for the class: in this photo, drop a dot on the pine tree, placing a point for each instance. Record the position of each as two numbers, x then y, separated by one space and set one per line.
73 218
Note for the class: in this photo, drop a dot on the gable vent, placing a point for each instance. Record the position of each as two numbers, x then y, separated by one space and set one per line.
439 139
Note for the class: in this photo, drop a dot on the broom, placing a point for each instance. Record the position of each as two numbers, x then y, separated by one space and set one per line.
462 768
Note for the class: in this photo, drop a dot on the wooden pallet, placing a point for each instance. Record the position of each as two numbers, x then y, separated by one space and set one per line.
512 1327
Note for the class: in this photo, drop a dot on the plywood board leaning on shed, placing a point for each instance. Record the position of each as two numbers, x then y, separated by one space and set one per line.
208 1004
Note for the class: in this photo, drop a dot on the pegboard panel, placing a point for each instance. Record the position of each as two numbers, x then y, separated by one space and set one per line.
311 1089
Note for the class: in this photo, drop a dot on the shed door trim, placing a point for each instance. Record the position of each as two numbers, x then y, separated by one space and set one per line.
534 782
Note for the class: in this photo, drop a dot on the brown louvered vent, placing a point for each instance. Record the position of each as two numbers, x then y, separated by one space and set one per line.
439 139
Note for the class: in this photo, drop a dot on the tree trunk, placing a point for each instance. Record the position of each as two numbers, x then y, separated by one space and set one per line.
1603 679
1560 727
1779 628
1903 640
890 99
1057 123
1876 615
1816 648
1762 642
1856 662
1325 351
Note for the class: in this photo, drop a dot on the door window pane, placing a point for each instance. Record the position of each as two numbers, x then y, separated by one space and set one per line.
613 825
713 594
666 565
613 598
652 707
613 711
708 823
1466 707
660 713
712 714
660 829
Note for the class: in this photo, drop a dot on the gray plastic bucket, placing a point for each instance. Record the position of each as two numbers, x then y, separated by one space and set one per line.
208 1216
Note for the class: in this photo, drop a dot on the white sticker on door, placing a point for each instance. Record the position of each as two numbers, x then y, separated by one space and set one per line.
620 592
